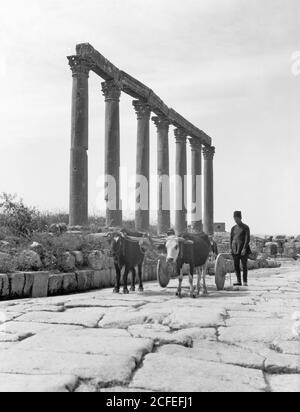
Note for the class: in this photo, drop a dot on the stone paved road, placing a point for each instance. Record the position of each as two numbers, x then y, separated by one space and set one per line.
245 340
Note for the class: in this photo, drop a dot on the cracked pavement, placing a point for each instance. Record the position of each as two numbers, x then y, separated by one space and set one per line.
231 341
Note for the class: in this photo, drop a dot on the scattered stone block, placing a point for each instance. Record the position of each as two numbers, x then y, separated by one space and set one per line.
66 262
79 259
29 260
37 248
96 260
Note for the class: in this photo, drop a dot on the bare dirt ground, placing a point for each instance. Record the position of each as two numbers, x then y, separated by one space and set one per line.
243 340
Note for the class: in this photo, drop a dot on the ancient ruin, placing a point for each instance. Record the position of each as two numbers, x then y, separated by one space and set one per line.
145 103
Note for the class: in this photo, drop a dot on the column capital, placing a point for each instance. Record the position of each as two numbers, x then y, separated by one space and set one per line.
161 122
142 109
111 90
180 135
79 66
196 144
209 152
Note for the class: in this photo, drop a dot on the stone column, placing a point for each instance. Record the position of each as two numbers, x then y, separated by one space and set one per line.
142 214
181 173
196 148
79 142
163 172
208 153
112 92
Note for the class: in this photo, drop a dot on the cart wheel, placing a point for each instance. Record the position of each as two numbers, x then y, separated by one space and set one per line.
163 272
220 272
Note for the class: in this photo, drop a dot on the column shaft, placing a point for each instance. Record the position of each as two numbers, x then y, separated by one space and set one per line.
197 223
208 153
142 213
79 143
181 190
163 172
112 93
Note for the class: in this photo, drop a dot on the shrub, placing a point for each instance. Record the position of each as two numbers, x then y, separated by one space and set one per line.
17 217
7 263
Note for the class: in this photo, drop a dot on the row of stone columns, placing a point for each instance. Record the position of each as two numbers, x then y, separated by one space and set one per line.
79 162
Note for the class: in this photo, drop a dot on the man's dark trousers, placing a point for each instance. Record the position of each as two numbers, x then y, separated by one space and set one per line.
237 266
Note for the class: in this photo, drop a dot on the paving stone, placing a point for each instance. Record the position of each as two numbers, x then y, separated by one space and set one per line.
106 369
37 383
163 335
282 363
7 316
182 374
122 389
32 328
284 383
104 303
289 348
116 318
195 317
216 352
88 317
256 331
32 307
89 341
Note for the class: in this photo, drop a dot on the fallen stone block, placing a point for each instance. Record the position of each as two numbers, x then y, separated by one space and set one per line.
96 260
66 262
29 260
79 259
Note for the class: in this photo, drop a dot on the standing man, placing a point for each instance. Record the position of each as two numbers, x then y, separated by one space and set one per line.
240 248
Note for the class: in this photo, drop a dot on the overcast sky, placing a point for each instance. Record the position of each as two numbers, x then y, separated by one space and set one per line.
226 65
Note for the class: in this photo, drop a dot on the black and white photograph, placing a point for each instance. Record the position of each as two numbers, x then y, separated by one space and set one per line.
149 199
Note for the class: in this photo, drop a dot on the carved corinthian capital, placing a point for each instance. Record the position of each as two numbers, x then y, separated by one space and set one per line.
161 122
209 152
79 66
180 135
143 110
111 91
195 144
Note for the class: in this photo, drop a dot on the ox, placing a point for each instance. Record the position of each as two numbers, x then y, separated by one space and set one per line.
128 253
193 250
